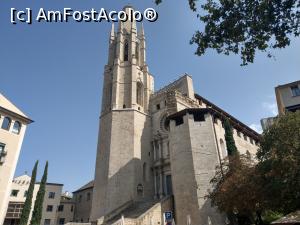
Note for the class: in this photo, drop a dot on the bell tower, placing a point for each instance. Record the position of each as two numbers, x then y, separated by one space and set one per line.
127 82
124 140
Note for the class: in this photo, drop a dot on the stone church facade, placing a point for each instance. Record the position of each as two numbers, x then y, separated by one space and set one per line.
157 150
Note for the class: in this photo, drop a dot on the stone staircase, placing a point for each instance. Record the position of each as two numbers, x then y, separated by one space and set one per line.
142 213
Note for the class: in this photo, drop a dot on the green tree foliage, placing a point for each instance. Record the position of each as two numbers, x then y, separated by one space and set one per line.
27 205
267 188
237 191
245 26
230 144
279 163
38 205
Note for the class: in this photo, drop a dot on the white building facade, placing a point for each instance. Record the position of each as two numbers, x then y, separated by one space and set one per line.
18 194
13 123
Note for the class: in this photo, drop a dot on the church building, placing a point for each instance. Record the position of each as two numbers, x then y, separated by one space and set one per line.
157 150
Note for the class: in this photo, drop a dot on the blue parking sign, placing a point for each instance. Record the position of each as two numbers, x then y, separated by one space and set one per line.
169 216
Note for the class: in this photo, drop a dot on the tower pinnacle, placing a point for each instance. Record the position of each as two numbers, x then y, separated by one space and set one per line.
112 33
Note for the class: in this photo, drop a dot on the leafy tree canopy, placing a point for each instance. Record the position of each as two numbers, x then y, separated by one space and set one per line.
234 186
244 27
279 163
265 187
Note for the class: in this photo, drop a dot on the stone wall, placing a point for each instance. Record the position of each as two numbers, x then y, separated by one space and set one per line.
124 146
194 156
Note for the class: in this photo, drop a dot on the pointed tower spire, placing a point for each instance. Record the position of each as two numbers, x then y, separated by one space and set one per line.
141 31
112 33
133 24
120 28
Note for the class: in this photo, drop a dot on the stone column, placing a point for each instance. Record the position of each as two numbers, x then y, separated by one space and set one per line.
154 150
161 184
161 148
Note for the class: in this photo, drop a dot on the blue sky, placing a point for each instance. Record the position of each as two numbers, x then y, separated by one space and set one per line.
53 72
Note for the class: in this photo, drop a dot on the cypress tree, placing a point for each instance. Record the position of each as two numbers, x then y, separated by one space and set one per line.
27 205
233 156
38 205
230 144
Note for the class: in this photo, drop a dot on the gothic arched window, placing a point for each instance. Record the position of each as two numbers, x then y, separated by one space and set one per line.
126 48
139 93
137 52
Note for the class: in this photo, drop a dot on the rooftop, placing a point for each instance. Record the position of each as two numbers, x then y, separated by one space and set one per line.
10 108
86 186
221 114
288 84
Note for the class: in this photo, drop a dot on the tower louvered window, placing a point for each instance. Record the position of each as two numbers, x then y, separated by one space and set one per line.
126 50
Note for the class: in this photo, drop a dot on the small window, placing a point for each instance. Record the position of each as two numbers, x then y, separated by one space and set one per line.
51 195
88 196
245 137
158 106
2 149
199 117
14 193
49 208
215 120
47 222
72 208
248 154
137 52
238 134
124 106
126 50
61 221
25 194
17 127
6 123
139 93
251 140
223 148
295 90
60 208
80 198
